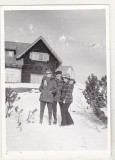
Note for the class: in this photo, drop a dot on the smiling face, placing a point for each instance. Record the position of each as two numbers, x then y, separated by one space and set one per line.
65 79
48 74
59 76
71 82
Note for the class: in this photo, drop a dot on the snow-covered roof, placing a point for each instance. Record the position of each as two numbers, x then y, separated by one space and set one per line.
63 68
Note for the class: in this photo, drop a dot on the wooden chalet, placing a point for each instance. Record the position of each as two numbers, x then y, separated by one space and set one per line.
27 63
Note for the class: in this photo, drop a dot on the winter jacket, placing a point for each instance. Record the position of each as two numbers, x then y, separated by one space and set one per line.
57 92
47 91
67 91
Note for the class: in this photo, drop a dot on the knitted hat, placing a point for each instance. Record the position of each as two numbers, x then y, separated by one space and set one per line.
66 75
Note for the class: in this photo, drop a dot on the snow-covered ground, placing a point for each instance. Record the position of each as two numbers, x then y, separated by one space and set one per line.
86 134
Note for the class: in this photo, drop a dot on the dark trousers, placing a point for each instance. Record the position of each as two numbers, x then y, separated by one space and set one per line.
42 107
66 117
54 109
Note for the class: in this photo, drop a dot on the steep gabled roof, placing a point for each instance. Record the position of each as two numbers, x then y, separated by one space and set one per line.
47 45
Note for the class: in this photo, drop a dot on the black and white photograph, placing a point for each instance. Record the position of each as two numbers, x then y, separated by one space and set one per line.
56 80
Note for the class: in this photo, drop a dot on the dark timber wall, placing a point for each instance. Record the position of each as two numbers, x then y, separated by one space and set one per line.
37 67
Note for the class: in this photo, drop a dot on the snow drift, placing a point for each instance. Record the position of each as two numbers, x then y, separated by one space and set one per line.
86 134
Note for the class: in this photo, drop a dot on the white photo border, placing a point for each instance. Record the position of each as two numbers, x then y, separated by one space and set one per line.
34 154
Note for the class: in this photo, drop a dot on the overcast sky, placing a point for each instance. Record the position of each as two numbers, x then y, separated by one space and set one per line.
78 37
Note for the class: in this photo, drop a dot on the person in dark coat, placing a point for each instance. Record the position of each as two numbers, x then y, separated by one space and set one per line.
57 94
48 85
67 99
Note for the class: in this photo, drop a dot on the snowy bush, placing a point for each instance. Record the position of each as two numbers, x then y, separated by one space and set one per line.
10 98
96 95
30 118
19 114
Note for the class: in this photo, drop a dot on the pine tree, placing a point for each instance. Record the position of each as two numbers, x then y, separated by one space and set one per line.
96 95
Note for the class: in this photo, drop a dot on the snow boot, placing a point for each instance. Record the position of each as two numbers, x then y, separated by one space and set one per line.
55 121
40 122
49 122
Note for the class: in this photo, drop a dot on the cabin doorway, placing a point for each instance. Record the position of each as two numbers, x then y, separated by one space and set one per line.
35 78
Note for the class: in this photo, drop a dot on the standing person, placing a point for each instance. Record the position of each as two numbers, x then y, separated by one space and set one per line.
46 88
67 99
57 94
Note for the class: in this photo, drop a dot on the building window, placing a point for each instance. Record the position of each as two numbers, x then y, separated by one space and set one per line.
10 53
38 56
12 75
